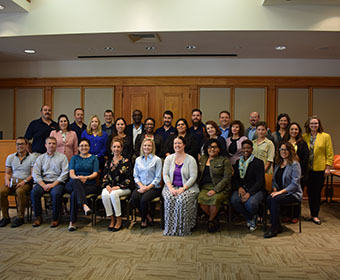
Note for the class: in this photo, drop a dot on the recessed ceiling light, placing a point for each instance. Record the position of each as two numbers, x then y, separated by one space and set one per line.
2 7
30 51
109 49
150 48
190 47
280 48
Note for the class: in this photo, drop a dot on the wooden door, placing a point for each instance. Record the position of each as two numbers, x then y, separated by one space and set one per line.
154 100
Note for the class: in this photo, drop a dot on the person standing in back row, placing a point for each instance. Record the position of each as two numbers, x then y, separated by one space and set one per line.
198 128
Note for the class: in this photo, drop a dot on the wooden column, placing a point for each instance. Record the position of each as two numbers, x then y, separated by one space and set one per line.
271 106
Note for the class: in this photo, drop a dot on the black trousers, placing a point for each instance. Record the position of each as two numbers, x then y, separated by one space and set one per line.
78 192
142 200
274 205
314 187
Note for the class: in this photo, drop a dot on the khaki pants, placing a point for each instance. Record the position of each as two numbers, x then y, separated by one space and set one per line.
21 199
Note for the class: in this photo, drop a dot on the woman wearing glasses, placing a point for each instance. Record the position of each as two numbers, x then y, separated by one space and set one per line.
320 162
215 173
286 185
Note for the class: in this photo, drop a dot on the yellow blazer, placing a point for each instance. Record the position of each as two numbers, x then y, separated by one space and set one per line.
323 150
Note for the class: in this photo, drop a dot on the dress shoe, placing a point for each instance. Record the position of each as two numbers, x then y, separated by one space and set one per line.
211 227
144 226
38 221
110 228
118 229
17 222
318 222
150 223
4 222
294 221
54 224
72 228
88 212
270 233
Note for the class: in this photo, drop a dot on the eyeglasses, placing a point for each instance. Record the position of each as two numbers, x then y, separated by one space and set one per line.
181 124
284 150
213 147
83 146
20 144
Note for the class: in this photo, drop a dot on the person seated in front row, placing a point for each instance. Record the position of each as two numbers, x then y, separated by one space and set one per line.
215 173
50 173
180 191
83 173
286 185
147 174
250 185
17 181
116 183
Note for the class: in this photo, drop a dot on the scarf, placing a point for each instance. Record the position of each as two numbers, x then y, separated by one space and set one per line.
243 165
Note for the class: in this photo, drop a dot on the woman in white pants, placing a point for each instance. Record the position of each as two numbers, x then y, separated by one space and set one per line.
116 183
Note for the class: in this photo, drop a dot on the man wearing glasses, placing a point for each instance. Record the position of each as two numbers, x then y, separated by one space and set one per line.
18 176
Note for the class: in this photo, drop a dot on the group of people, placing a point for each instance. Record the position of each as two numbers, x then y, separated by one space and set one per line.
206 164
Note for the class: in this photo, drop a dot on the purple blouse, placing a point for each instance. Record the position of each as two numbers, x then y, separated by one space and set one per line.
178 176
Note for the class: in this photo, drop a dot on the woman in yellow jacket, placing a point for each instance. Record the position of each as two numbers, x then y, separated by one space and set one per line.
320 162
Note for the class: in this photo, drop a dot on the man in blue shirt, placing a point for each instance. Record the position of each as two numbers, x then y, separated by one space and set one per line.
40 129
224 119
254 118
78 125
198 127
167 129
108 125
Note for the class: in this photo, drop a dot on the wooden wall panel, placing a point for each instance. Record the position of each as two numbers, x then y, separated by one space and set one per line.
6 113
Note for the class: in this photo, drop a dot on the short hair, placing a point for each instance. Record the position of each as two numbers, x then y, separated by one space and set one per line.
89 129
78 109
22 138
51 138
196 110
117 139
150 119
137 110
108 111
298 137
168 112
279 117
241 126
208 143
181 138
84 140
153 146
44 106
218 130
261 123
114 127
185 122
68 122
313 117
292 154
247 141
224 112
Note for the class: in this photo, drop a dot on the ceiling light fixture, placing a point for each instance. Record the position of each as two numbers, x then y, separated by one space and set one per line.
150 48
2 7
190 47
30 51
280 48
109 49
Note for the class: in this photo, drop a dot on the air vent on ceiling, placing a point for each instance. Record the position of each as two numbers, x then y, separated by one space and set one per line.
145 38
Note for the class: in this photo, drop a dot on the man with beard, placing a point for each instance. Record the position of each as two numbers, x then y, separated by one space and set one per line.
167 129
254 118
198 127
40 129
132 130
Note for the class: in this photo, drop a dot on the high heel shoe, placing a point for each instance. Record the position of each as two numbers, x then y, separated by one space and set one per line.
118 229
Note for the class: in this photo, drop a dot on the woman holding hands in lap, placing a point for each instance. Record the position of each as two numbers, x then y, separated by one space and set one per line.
116 183
147 174
214 180
180 191
83 173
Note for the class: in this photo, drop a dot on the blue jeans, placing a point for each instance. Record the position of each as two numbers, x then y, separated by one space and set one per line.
248 209
56 194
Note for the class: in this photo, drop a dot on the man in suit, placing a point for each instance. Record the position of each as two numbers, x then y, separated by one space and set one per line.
136 128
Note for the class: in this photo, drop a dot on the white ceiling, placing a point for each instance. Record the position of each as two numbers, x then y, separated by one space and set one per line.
245 44
301 2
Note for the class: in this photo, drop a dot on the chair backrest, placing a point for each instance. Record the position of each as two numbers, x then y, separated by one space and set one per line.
268 178
336 163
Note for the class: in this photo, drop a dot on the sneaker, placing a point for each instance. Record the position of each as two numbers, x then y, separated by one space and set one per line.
248 223
17 222
4 222
253 228
253 221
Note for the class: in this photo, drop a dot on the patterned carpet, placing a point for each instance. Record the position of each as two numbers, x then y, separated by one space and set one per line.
232 253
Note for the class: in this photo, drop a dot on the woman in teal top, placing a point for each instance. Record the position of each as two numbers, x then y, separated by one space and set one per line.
83 173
